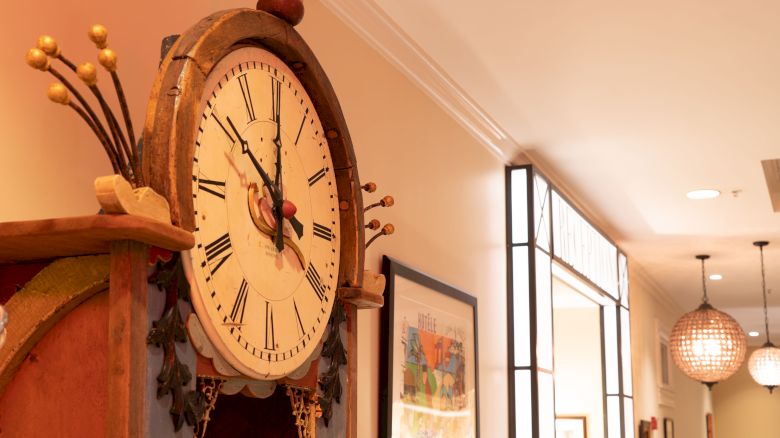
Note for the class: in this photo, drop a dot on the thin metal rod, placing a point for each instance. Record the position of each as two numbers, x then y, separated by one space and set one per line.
128 125
95 120
763 287
99 135
704 283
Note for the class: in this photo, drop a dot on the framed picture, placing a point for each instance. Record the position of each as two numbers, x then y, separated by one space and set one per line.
571 427
428 379
708 422
644 429
668 428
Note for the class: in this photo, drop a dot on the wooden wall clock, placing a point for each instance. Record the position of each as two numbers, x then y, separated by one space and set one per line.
246 139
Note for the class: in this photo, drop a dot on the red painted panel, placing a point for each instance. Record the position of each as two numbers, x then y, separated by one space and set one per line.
60 388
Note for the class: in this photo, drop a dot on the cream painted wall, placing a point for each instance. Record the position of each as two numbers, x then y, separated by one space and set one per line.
651 306
743 408
449 212
578 384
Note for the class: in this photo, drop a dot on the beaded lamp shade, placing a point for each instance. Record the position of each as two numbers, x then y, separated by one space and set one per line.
706 344
764 363
764 366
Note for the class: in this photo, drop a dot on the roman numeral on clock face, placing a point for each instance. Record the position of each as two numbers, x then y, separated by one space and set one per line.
270 339
216 188
250 110
323 232
276 91
217 252
301 330
316 282
317 176
237 314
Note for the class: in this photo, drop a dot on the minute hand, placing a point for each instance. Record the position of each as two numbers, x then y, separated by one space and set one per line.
245 150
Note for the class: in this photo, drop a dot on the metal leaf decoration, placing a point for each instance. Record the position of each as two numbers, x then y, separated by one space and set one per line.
169 329
333 349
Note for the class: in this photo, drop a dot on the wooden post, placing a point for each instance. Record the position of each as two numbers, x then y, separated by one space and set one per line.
352 356
128 324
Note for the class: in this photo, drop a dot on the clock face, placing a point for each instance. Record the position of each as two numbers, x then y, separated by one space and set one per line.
261 160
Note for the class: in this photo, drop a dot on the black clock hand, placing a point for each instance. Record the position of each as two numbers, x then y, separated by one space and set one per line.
245 150
278 177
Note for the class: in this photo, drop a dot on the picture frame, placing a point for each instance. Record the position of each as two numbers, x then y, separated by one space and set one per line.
644 429
664 366
429 372
571 426
668 428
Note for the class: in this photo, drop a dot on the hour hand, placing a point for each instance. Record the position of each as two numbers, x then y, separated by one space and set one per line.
245 150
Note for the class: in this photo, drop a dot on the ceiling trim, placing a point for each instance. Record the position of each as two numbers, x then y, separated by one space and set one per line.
376 27
638 278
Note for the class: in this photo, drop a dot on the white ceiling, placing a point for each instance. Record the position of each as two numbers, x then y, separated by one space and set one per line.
630 104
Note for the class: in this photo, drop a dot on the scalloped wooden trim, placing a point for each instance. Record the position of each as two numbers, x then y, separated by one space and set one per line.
46 299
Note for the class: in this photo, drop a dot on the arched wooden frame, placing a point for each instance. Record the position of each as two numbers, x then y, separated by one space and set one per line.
173 115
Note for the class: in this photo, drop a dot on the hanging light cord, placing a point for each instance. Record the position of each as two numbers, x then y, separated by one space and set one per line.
705 300
763 286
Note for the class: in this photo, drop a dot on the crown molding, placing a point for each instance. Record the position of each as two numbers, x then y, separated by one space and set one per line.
379 30
638 274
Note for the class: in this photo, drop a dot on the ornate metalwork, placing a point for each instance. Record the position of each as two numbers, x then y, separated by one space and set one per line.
169 277
306 410
333 349
209 387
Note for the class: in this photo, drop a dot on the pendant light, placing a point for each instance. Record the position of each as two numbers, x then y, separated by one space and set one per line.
707 344
764 363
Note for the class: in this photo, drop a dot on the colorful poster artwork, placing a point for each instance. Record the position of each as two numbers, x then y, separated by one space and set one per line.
434 367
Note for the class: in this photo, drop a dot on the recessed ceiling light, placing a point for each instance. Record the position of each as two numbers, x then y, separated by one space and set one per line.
716 277
703 194
753 334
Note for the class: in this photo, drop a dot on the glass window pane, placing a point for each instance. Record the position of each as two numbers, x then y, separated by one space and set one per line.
613 416
544 325
625 345
542 212
623 273
611 350
523 410
519 197
546 405
520 304
628 415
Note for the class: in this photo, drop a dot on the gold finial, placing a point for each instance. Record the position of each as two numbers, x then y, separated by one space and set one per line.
99 35
87 73
370 187
387 201
38 60
388 229
49 46
107 58
58 93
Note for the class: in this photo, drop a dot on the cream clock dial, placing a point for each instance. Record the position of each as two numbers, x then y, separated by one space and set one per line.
261 165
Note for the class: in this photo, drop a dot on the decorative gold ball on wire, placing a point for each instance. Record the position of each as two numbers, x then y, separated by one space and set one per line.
107 58
707 345
58 93
87 73
37 59
98 34
48 45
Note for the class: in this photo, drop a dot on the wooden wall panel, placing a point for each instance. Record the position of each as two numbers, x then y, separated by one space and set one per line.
60 388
